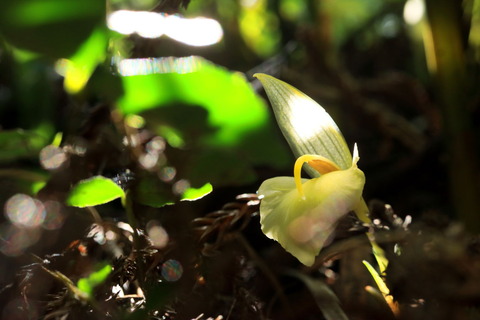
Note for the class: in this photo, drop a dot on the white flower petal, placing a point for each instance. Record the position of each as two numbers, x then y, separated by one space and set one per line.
307 127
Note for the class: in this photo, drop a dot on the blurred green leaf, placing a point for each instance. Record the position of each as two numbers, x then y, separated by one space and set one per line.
259 28
233 108
52 27
219 167
81 65
26 181
94 191
474 35
197 193
377 278
31 104
57 139
22 56
133 4
344 22
173 136
152 192
88 284
307 127
36 186
104 84
206 110
20 144
180 130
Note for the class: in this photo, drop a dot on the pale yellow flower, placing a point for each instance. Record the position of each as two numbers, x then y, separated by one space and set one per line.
301 214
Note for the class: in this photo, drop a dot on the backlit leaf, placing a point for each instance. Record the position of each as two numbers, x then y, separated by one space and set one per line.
233 108
88 284
197 193
52 27
307 127
205 109
151 191
80 66
94 191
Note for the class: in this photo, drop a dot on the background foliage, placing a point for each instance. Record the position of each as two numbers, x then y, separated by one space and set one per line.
181 121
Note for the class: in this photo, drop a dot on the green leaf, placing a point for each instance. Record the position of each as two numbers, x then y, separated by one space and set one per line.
55 28
81 65
259 28
197 193
57 139
37 186
152 192
233 108
344 23
20 144
307 127
94 191
384 291
29 182
220 167
377 278
88 284
173 136
205 109
34 100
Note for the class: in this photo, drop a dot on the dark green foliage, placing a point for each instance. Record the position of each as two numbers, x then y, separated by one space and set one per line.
189 123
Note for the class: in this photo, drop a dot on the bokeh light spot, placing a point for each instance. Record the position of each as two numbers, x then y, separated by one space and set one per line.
24 211
15 240
180 186
195 32
148 160
97 233
390 26
156 145
172 270
157 234
135 121
414 11
54 217
145 66
52 157
110 235
61 66
167 174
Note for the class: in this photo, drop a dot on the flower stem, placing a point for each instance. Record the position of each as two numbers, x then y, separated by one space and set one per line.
362 213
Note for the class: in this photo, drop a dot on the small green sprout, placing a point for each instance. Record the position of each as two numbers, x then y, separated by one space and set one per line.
93 192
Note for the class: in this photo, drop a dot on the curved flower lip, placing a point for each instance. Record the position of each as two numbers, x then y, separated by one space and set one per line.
301 214
321 164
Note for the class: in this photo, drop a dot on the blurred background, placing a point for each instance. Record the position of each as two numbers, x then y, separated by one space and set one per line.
158 95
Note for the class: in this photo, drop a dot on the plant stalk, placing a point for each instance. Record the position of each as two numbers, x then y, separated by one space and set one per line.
447 62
